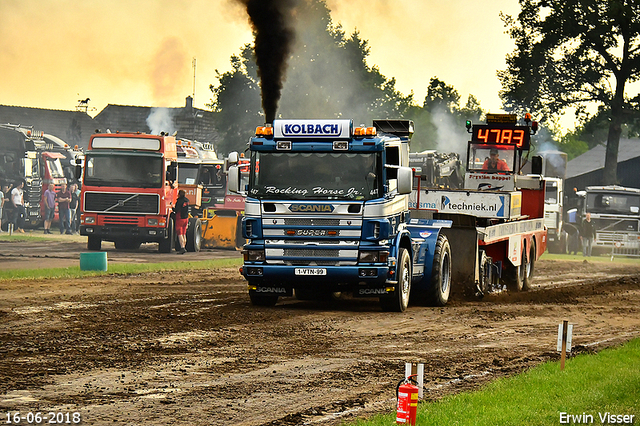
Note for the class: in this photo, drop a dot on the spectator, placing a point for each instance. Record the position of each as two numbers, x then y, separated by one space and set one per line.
587 235
63 197
6 204
73 207
495 164
49 207
182 220
17 199
3 190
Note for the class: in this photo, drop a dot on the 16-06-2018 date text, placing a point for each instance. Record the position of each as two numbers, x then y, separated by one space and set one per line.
50 417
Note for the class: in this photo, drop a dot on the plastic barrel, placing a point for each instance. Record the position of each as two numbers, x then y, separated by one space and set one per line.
94 261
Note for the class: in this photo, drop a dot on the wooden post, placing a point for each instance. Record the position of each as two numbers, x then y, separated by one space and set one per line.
565 326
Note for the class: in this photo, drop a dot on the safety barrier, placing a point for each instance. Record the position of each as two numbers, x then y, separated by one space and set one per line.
625 245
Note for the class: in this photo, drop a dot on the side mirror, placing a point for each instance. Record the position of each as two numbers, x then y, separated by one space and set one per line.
78 172
233 157
172 171
405 180
233 184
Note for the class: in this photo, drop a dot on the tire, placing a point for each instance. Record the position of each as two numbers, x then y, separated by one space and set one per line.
262 299
440 273
167 245
127 244
515 274
194 235
399 300
527 283
484 286
240 241
94 243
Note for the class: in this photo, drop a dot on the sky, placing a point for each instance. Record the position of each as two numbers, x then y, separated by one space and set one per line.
141 52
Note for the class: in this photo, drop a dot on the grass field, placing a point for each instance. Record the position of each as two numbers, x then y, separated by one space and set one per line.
116 268
590 389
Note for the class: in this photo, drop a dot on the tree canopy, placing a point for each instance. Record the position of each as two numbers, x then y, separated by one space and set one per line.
328 77
575 53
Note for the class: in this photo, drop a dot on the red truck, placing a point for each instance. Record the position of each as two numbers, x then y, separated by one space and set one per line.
129 190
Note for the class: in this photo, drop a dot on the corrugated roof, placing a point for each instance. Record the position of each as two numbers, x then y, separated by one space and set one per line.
594 158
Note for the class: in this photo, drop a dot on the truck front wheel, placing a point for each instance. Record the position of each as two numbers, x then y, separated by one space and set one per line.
441 273
94 243
166 245
399 300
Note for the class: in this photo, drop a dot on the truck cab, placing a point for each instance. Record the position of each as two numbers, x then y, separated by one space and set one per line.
129 190
327 211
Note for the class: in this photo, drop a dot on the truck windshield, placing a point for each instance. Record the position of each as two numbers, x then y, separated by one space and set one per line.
613 203
30 167
55 168
130 171
188 174
317 175
551 193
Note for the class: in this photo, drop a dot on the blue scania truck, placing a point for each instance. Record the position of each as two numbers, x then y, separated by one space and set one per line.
327 211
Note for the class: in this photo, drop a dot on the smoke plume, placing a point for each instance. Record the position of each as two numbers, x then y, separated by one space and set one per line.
272 22
161 120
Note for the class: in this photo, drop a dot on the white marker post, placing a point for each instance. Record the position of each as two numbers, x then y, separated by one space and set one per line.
409 370
565 330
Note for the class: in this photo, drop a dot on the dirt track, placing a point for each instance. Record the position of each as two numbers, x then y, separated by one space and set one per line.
188 348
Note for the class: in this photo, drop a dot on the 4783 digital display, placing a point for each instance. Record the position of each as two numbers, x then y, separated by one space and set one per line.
518 136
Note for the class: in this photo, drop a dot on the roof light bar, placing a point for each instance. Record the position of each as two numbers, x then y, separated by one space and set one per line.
264 131
364 131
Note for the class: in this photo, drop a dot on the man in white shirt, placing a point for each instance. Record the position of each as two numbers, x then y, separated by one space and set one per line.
17 199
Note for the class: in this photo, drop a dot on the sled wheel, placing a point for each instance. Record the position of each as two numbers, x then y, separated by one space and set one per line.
194 235
528 275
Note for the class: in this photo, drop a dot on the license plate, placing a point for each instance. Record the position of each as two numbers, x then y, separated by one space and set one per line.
311 271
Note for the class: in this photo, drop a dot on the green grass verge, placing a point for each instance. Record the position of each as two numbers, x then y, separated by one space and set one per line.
590 385
602 258
117 268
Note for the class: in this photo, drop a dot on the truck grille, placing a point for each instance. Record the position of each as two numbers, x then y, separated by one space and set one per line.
121 203
295 221
314 253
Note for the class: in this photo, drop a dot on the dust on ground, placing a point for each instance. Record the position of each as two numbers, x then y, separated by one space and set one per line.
188 348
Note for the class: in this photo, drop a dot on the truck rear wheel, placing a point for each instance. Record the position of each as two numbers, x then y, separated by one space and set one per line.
440 273
194 235
528 276
515 274
167 245
399 300
94 243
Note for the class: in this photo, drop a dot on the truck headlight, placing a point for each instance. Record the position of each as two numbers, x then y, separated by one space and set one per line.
253 255
89 220
152 222
373 256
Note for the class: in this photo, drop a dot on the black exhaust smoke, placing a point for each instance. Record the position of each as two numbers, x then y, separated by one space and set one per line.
274 36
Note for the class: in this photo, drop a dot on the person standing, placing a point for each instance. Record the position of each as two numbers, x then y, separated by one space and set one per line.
63 197
17 199
587 235
181 210
73 207
49 207
2 192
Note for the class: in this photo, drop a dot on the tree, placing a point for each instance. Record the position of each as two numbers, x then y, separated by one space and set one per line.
575 53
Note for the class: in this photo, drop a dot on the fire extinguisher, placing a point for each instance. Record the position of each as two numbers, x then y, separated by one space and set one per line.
407 394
